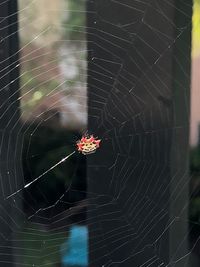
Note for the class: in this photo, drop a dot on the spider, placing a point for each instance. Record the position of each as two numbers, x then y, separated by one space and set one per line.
88 144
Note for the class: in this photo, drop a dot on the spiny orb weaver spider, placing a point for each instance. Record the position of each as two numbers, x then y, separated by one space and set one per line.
88 144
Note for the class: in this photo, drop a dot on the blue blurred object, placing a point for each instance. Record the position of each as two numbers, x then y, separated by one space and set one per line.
75 250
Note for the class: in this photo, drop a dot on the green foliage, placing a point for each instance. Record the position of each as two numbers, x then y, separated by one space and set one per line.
30 84
75 23
196 28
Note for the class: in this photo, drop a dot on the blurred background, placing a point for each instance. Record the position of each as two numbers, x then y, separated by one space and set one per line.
194 211
54 116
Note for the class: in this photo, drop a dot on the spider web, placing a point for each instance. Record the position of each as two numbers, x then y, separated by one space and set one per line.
130 111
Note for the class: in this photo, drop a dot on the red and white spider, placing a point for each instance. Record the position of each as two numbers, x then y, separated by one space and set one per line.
88 144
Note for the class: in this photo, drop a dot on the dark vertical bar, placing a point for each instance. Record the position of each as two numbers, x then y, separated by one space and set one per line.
138 80
9 121
179 191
